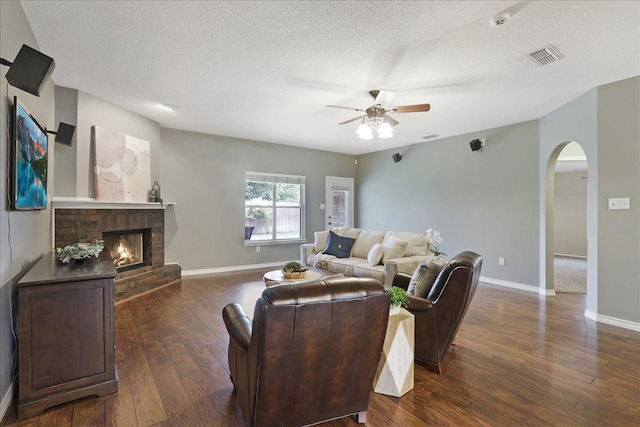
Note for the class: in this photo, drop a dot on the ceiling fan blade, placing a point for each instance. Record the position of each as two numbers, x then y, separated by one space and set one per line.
344 108
411 108
391 120
349 121
381 97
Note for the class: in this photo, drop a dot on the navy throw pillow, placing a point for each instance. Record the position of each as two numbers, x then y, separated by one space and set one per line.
338 246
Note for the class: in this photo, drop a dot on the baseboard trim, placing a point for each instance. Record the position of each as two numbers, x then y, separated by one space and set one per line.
6 401
230 269
571 256
519 286
614 321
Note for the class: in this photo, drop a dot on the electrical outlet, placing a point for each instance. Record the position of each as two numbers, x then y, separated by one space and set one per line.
257 248
500 261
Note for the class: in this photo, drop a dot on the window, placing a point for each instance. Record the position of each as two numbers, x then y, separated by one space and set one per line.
273 208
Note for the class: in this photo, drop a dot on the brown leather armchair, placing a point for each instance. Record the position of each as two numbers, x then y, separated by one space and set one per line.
311 352
438 317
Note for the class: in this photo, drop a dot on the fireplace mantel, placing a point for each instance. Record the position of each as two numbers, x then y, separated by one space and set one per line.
89 203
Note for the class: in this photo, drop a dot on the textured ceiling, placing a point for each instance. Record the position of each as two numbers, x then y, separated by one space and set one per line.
265 70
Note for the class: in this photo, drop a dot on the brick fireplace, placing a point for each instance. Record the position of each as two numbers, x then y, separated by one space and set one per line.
75 224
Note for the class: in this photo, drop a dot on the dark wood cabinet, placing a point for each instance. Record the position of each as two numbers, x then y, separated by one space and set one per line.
66 343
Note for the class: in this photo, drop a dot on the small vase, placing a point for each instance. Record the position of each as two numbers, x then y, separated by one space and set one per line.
394 310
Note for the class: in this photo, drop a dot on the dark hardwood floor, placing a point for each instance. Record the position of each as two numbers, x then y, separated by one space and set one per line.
519 359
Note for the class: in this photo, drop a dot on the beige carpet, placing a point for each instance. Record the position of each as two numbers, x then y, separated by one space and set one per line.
570 274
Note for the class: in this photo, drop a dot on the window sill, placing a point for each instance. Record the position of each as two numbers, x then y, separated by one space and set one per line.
273 242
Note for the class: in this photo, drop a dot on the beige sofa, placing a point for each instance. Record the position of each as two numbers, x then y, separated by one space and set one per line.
395 251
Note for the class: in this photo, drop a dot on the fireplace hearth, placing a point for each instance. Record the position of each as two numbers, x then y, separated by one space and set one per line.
141 233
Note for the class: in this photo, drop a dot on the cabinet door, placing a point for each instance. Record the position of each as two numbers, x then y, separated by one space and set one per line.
66 337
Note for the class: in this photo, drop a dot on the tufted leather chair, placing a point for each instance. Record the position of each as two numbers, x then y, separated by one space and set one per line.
311 352
439 316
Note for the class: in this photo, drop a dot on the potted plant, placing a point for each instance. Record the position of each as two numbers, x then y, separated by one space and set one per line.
293 270
399 299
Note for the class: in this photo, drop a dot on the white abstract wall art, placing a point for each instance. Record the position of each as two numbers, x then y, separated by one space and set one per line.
122 166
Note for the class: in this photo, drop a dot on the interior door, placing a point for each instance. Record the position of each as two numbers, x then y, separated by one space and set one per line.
339 202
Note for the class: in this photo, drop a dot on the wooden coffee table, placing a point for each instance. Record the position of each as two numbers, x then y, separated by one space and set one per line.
278 277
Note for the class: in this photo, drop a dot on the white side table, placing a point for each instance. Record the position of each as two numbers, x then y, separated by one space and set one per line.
394 376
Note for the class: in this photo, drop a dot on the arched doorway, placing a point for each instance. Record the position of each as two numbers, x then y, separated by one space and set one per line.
570 220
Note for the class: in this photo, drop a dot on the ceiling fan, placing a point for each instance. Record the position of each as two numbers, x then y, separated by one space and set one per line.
376 118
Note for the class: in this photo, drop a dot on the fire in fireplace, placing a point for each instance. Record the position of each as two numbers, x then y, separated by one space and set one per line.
128 248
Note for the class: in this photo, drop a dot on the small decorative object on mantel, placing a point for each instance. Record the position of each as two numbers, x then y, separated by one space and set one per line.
294 270
154 193
434 238
399 299
79 251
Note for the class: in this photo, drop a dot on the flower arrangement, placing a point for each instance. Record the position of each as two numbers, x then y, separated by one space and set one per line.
434 238
399 297
80 250
294 270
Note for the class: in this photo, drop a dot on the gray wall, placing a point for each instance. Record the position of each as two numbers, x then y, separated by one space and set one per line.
619 176
570 213
605 123
204 175
24 235
485 201
66 166
91 111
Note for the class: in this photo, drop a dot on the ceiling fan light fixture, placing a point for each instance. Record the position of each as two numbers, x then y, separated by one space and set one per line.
365 135
385 130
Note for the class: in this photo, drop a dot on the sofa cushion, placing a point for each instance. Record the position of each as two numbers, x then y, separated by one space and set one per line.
393 248
365 241
320 241
338 246
344 265
367 270
417 244
375 254
430 270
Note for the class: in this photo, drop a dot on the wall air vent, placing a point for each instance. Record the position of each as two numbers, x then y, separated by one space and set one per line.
545 56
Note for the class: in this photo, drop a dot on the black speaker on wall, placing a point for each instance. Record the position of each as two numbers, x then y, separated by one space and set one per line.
29 70
396 157
64 134
476 144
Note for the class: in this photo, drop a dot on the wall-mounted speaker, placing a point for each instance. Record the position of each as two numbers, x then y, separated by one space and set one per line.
30 69
64 134
396 157
476 144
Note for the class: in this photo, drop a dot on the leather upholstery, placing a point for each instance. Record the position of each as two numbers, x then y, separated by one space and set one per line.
311 353
439 316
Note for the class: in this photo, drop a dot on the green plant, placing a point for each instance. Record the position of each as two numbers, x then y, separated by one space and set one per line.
79 250
293 266
399 297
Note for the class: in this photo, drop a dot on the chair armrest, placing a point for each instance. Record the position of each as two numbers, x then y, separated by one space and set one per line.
406 264
306 249
417 304
401 280
238 325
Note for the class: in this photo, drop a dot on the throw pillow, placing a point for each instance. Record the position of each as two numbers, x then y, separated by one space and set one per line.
393 248
375 254
433 268
417 277
320 241
338 246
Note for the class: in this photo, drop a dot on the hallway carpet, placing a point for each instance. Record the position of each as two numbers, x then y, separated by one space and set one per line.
570 274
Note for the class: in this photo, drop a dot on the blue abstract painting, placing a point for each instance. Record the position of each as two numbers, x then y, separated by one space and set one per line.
30 162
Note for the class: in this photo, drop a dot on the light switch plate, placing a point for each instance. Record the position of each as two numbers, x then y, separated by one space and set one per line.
621 203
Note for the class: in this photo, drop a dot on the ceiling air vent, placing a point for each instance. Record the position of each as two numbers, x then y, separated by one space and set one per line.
545 56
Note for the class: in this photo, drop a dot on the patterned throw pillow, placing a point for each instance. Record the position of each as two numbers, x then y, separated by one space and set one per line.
417 277
433 268
338 246
375 254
